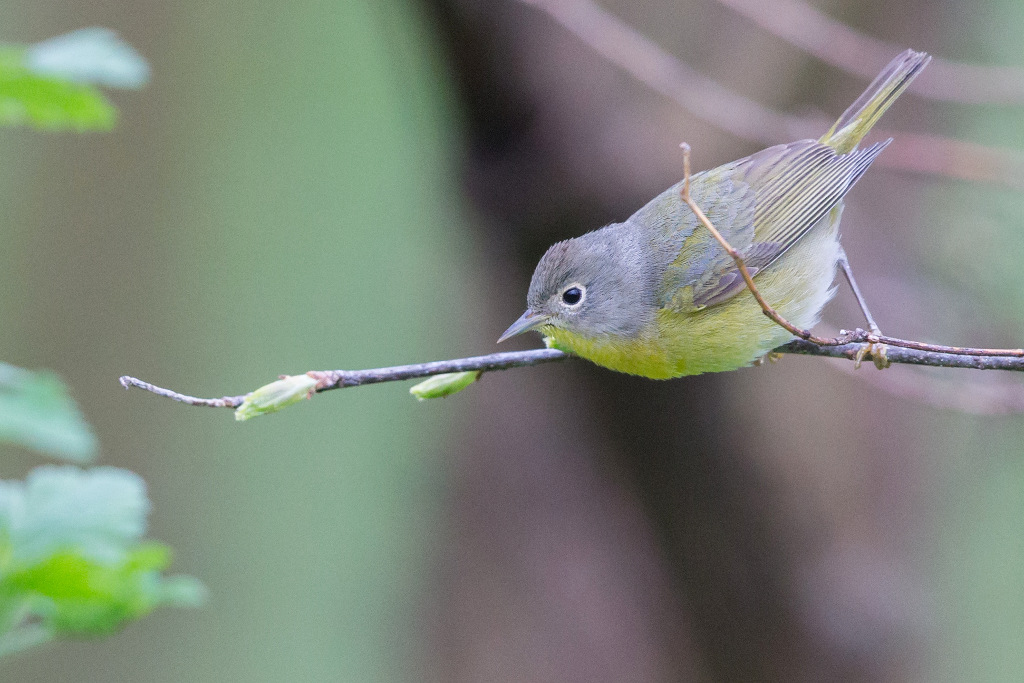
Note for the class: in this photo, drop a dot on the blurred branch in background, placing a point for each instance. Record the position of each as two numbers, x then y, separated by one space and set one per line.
705 98
989 397
833 42
713 103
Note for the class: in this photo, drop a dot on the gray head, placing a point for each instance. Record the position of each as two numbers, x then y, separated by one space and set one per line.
596 284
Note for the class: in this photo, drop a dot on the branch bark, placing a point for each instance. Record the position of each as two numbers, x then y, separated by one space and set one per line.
898 351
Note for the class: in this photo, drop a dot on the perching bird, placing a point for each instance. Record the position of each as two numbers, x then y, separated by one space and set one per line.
657 296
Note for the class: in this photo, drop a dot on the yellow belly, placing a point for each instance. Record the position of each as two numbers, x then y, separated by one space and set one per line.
729 335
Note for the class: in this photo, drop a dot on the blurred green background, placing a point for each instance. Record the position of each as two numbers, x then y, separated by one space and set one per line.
355 184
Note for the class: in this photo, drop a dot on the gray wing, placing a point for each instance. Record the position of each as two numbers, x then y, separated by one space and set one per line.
762 204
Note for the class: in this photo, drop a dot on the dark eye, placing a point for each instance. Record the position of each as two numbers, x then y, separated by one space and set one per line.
572 296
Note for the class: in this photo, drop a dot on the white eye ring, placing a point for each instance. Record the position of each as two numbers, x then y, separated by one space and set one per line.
573 295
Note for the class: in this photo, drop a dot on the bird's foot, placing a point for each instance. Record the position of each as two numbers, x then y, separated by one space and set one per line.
877 353
770 357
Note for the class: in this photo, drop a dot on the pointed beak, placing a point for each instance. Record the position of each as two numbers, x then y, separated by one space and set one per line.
527 321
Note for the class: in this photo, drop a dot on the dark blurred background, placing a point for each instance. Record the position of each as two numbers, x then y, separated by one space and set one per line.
355 184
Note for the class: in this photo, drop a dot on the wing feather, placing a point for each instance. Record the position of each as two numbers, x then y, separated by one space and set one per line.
790 188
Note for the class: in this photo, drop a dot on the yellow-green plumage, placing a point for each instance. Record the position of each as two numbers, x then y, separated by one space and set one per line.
657 296
731 334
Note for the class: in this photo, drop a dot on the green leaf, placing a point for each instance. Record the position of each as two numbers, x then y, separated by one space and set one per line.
71 559
52 84
49 102
101 513
75 595
36 412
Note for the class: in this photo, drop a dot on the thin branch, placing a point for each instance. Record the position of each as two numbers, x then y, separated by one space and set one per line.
833 42
912 353
727 110
226 402
339 379
747 277
862 336
899 351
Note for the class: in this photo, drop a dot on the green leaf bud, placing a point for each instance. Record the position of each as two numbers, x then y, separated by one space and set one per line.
274 396
443 385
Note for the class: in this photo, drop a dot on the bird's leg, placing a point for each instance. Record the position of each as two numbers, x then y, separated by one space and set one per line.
844 264
877 351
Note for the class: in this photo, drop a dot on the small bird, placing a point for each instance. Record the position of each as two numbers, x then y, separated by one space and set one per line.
658 296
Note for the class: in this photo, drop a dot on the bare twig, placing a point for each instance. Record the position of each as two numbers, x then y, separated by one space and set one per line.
226 402
835 43
747 277
900 351
870 338
907 352
339 379
727 110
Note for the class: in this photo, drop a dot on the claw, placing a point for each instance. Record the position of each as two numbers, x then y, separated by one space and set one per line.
770 357
878 356
877 353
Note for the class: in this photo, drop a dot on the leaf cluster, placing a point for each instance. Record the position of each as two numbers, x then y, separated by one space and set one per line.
73 556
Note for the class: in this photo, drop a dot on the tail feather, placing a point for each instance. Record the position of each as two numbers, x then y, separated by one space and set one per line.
858 119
